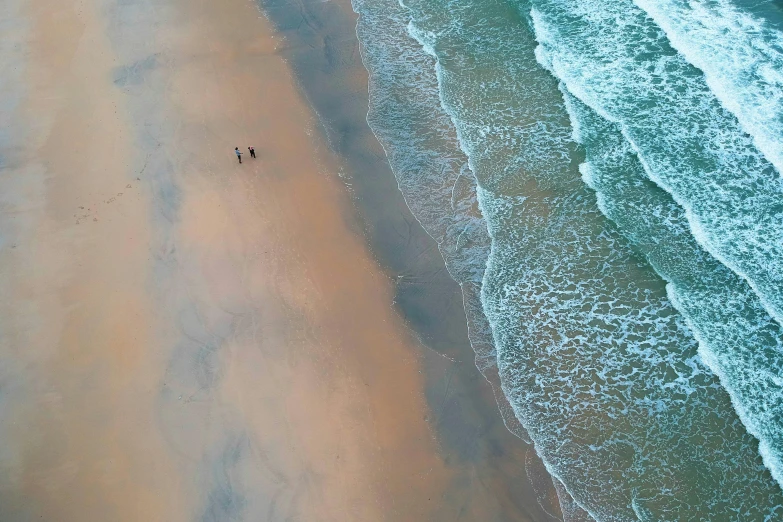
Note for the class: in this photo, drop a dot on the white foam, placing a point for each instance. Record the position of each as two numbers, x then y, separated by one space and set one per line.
407 116
583 332
616 61
722 311
740 55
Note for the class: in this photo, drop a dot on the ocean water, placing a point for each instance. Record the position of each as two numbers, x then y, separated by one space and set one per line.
603 180
431 168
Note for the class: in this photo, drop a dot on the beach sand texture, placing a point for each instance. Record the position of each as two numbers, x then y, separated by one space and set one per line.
183 337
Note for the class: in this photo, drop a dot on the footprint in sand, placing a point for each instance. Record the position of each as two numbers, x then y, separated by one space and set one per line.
108 201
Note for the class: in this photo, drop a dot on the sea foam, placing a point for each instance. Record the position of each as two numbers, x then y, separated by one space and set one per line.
595 362
432 171
598 366
738 340
613 58
741 55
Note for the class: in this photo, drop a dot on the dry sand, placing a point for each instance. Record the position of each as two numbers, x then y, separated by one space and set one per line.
184 337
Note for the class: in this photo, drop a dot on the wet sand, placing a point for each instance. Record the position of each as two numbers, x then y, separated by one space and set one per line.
187 338
496 475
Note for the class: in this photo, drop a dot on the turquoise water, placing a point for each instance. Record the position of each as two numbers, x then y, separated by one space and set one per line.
603 180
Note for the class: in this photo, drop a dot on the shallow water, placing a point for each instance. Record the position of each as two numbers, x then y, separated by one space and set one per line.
625 168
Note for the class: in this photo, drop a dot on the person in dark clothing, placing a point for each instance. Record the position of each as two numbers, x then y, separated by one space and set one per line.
252 152
239 154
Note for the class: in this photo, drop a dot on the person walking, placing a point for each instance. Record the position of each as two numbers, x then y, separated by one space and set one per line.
252 152
239 154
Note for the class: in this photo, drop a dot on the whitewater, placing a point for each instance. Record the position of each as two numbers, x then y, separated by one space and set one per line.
602 179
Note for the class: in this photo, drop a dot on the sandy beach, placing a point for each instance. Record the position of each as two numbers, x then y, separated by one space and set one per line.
187 338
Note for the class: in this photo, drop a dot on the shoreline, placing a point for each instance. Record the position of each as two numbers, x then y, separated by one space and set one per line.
322 48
